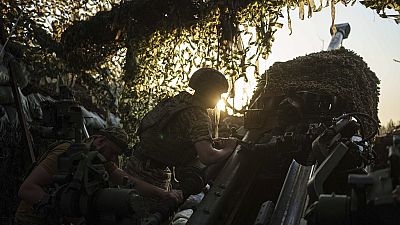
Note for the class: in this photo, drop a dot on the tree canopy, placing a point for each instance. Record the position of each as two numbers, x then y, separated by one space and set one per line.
124 56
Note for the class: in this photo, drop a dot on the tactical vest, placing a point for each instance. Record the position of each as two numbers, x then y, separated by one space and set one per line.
156 143
51 149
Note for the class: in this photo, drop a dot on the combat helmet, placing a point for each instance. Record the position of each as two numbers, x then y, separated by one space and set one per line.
208 79
116 135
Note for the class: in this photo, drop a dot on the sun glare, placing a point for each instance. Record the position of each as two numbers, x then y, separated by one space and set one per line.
245 85
221 105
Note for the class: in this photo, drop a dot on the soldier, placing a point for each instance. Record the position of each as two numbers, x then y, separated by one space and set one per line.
109 142
177 132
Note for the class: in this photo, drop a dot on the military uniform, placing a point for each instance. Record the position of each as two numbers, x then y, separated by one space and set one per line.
25 213
167 137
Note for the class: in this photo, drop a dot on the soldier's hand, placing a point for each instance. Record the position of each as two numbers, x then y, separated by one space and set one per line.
226 142
217 143
175 195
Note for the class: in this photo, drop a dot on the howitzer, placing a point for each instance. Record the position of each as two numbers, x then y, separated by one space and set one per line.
293 197
373 198
336 153
255 172
291 97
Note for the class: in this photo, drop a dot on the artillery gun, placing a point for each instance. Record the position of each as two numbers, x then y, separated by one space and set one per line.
312 121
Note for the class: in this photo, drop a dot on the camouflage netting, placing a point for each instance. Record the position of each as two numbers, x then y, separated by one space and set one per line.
340 73
123 56
112 52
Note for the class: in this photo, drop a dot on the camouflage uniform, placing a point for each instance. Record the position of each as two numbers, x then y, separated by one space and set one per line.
167 137
25 214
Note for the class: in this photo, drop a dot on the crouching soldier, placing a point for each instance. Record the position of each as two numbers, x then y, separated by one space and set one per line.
110 143
177 134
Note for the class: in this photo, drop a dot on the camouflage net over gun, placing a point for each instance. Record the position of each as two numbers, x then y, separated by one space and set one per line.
340 72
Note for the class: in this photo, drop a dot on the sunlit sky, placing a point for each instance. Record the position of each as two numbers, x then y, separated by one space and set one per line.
375 39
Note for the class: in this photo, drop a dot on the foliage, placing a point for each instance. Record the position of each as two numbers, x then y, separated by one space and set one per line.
381 6
389 127
137 52
166 60
123 56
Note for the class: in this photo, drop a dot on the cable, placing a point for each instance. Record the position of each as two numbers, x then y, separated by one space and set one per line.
362 128
355 114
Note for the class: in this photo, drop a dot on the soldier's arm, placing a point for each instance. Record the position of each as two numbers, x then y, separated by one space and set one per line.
210 155
145 188
31 190
198 126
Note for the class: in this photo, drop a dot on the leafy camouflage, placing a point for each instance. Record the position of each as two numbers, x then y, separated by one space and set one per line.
340 73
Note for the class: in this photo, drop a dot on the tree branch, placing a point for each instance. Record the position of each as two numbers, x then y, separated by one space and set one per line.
88 42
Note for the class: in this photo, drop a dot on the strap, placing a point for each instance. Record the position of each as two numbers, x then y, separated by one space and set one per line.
163 118
44 155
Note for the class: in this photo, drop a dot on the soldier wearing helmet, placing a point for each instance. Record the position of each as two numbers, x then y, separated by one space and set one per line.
177 132
208 84
109 142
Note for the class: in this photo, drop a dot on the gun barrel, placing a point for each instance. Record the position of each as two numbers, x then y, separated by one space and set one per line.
213 204
291 202
336 41
342 32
